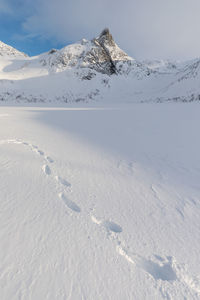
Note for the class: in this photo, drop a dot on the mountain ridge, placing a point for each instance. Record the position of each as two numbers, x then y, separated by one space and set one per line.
6 50
94 70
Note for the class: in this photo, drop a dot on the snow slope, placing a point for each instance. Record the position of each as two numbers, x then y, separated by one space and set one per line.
96 70
100 202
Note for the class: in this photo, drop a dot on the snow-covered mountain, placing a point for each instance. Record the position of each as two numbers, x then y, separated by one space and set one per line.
94 70
8 51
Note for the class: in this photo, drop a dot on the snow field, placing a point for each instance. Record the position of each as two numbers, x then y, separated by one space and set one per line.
88 210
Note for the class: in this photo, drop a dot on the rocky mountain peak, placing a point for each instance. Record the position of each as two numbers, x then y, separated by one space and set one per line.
6 50
105 54
106 38
100 54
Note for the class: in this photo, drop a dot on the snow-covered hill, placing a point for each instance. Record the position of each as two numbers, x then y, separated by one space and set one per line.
100 203
94 70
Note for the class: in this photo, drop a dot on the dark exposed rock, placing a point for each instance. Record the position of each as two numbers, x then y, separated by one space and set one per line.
104 54
106 38
52 51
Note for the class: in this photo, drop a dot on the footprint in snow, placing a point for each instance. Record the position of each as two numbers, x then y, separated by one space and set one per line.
46 169
162 270
35 149
108 225
62 181
70 204
40 152
49 159
34 146
111 226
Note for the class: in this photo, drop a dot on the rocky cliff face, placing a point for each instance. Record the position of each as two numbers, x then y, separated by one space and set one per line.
105 54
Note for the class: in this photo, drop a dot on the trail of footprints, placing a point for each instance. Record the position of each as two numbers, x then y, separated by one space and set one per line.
47 171
159 268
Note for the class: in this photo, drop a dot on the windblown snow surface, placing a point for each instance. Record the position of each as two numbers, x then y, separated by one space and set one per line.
100 202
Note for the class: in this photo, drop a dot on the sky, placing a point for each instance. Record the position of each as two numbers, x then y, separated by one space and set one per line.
145 29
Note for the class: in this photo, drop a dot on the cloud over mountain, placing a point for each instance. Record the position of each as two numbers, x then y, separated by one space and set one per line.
145 29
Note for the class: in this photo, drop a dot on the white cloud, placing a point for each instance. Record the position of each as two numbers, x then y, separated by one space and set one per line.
144 28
